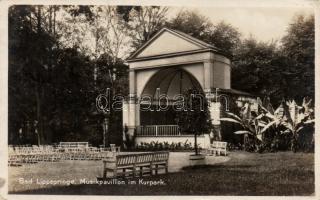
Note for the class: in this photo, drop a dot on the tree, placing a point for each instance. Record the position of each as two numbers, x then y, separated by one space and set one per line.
101 33
298 47
95 30
221 35
281 72
51 86
258 68
225 37
143 22
195 116
73 88
192 23
32 44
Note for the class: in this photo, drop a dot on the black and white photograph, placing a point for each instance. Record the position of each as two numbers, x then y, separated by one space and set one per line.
119 99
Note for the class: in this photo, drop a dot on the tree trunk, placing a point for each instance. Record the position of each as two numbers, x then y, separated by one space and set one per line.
294 142
54 21
39 88
38 105
195 144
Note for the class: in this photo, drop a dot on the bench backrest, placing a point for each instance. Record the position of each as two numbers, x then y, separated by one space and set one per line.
217 144
123 160
131 159
144 158
161 156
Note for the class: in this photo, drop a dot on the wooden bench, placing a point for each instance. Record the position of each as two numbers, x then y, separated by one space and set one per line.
217 148
136 164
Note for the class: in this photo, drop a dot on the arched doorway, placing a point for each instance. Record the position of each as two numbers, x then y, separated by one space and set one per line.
164 88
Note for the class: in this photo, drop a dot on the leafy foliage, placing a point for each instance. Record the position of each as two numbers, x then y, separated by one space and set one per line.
221 35
251 125
280 71
55 86
257 69
192 23
195 116
143 22
288 118
298 47
294 119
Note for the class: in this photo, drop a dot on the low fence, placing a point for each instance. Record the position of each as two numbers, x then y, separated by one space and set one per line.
158 130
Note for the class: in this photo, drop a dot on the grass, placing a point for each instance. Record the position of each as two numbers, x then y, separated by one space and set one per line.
282 173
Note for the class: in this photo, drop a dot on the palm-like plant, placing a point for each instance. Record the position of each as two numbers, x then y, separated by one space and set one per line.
288 115
293 117
251 125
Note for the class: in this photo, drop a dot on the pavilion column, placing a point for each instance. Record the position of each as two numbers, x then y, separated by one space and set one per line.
215 112
213 100
132 82
131 107
208 75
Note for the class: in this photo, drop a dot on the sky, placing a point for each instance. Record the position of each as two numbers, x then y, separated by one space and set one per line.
263 23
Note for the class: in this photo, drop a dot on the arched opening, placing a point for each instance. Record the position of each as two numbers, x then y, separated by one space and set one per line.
167 83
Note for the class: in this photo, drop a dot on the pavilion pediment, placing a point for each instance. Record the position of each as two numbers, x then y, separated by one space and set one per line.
169 41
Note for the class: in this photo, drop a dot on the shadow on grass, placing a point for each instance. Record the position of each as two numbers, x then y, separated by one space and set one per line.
218 166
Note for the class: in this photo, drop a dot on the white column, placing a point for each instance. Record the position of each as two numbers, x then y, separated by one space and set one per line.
215 112
132 82
132 103
207 85
208 75
125 113
132 114
137 114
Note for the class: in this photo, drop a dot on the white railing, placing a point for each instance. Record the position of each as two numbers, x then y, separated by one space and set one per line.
74 144
158 130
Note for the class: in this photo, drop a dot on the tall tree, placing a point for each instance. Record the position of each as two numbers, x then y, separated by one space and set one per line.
31 50
298 46
221 35
285 71
257 68
225 37
74 99
95 30
192 23
143 22
101 33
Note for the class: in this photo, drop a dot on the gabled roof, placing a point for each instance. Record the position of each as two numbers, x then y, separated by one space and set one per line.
204 44
195 44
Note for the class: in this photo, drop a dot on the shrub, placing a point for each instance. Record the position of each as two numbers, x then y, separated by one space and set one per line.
162 146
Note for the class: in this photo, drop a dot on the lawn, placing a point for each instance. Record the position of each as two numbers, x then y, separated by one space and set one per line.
282 173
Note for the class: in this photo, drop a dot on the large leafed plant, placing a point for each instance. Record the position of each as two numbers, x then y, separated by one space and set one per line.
288 118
